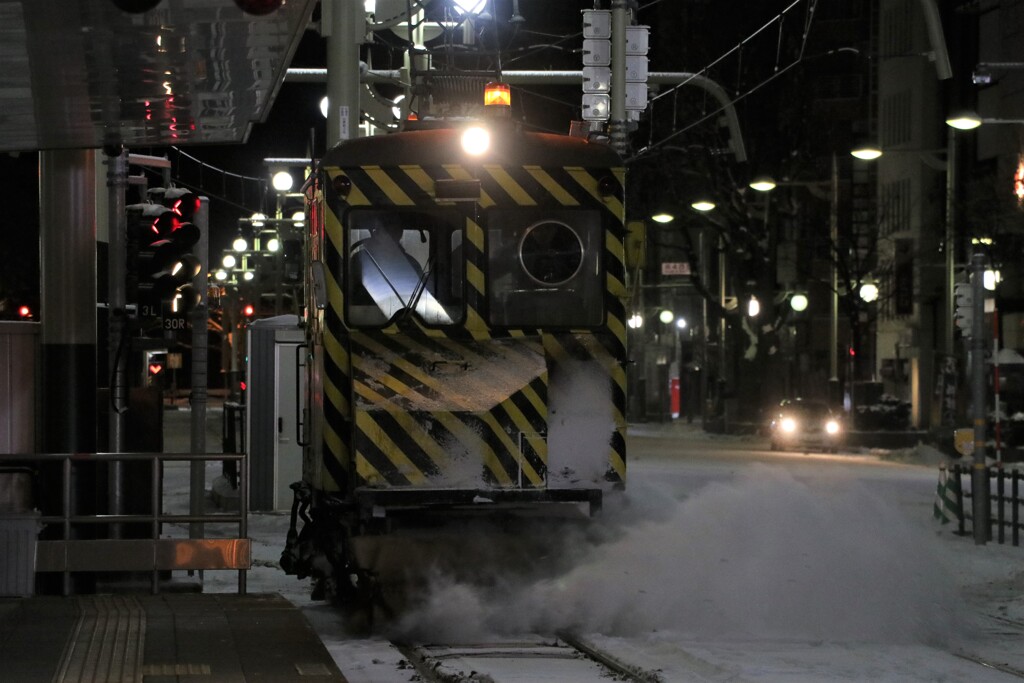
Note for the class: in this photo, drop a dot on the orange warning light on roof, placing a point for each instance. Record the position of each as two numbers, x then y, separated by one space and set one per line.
497 94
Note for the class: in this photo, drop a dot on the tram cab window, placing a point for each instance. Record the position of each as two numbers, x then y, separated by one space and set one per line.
404 262
545 268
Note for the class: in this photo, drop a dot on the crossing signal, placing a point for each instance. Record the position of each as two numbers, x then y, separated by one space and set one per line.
963 294
160 259
156 368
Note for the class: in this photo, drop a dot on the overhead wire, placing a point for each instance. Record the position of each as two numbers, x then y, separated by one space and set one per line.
778 70
530 50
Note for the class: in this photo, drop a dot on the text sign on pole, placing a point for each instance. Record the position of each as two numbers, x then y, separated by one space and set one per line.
675 268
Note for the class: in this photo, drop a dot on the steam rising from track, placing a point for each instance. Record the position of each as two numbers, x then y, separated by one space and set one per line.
762 556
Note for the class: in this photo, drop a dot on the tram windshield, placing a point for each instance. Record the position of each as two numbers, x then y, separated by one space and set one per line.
405 262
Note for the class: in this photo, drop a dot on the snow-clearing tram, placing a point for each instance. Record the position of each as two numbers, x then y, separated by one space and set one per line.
466 344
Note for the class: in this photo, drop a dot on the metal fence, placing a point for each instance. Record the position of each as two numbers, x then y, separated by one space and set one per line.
1004 500
75 550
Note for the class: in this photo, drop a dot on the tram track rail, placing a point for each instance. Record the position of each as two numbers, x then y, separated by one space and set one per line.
570 657
476 662
989 664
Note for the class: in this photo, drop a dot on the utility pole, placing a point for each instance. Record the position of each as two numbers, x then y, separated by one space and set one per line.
833 338
346 20
979 473
949 250
200 372
617 123
117 183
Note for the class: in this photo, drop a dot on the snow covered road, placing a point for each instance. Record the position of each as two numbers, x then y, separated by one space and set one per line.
726 562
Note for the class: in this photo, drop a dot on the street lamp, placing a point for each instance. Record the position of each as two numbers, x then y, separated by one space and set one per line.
798 302
753 307
282 181
965 120
968 119
866 151
869 292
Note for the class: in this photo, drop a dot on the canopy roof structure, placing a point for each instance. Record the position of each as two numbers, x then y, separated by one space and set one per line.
85 74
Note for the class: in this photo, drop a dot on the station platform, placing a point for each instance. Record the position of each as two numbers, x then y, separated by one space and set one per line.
166 638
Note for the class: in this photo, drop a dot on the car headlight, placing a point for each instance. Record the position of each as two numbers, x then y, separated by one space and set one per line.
788 425
832 427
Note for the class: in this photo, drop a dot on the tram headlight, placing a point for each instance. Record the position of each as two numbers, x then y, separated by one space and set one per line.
476 140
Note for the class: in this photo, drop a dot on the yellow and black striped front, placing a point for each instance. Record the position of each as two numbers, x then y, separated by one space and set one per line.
472 405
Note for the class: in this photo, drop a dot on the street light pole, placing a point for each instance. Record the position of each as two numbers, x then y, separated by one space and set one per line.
950 244
833 220
722 326
979 467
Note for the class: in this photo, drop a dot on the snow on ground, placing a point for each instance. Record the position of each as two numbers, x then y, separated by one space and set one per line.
760 574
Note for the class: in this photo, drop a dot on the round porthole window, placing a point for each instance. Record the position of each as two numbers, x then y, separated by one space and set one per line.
551 253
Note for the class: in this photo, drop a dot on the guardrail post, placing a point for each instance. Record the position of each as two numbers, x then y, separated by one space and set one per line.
1001 503
1015 515
958 471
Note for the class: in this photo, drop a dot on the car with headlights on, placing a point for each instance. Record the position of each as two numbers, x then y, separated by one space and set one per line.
798 423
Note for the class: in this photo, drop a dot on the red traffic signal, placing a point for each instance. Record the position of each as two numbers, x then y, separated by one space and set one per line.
248 310
160 243
183 203
24 312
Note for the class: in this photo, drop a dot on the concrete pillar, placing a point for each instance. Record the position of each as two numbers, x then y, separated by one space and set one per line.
67 234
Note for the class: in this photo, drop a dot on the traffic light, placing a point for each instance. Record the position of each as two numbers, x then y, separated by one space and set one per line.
963 294
184 204
160 262
24 312
248 310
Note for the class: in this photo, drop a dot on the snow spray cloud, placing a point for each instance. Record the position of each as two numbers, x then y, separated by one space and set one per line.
762 556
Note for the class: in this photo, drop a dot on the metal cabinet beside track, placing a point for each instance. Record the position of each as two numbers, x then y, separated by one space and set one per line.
272 415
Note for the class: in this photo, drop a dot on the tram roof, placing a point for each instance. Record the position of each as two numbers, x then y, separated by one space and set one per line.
441 145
